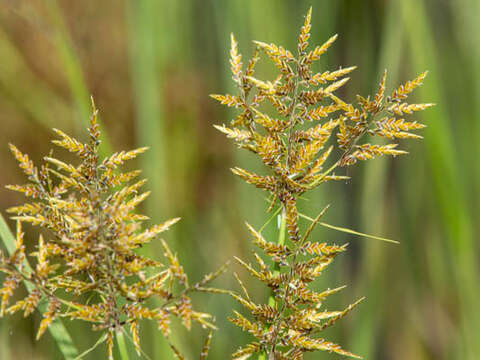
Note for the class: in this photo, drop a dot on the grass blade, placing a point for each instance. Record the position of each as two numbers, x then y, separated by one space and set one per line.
122 346
100 341
349 231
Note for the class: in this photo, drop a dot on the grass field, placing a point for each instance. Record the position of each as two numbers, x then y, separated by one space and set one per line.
150 66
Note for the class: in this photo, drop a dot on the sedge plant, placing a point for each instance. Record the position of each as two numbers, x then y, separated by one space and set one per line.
302 131
87 263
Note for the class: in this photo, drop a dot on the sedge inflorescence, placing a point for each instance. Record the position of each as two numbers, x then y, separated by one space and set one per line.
296 124
88 266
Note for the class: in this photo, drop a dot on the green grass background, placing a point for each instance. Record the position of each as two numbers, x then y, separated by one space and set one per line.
150 64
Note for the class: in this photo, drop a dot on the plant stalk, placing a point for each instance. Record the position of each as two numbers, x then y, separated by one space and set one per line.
122 346
281 241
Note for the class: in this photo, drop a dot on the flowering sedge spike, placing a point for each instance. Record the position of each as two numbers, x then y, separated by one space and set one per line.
90 247
295 143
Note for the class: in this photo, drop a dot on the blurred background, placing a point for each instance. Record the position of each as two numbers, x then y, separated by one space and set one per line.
150 65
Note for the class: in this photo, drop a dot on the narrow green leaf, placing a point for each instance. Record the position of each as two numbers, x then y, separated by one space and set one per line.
350 231
100 340
126 335
274 215
122 346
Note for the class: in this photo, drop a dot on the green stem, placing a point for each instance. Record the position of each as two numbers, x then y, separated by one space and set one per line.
281 241
122 346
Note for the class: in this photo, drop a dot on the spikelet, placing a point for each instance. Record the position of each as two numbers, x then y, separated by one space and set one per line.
271 125
381 90
246 351
270 248
49 316
229 100
292 219
262 182
404 108
368 151
238 135
335 86
121 157
71 144
28 305
323 78
206 347
110 337
134 329
403 91
89 209
320 50
9 286
305 32
291 143
235 61
276 53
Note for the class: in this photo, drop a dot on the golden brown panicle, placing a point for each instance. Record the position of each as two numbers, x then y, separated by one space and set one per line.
296 141
87 262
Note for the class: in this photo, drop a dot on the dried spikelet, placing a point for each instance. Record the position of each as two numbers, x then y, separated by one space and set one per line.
29 191
320 50
306 343
177 353
265 87
229 100
9 285
236 134
323 78
307 153
254 328
336 85
110 336
263 182
321 248
405 108
253 61
134 329
247 351
305 32
49 316
319 112
394 124
276 53
206 346
292 219
403 91
265 312
121 157
25 163
335 316
271 249
70 144
235 60
90 251
381 91
28 305
271 125
317 166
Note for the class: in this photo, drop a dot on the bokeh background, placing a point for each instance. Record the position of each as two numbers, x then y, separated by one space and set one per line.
150 64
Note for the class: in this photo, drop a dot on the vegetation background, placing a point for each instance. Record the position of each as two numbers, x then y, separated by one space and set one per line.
150 65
